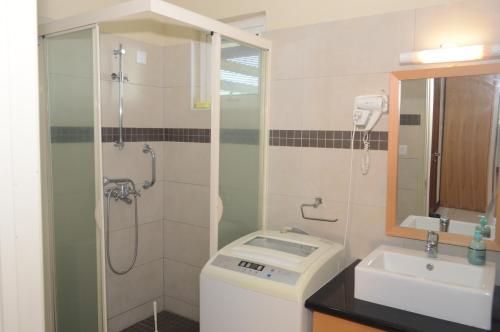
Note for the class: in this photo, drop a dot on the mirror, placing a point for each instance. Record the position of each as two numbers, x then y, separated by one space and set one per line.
444 153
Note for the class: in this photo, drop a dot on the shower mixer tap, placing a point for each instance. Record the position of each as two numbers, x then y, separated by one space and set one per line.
116 77
122 189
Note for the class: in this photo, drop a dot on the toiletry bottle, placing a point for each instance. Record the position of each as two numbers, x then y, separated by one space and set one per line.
485 229
477 249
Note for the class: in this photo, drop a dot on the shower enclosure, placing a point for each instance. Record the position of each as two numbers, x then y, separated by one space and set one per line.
154 136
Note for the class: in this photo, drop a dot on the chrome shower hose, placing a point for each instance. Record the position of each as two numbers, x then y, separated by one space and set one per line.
108 255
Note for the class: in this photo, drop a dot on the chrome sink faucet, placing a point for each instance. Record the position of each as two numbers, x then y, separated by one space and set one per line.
431 245
444 224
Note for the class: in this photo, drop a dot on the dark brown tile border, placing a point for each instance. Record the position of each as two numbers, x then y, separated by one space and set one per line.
330 139
111 134
409 119
194 135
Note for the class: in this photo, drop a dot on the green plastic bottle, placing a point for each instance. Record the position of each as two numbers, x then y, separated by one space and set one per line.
484 227
477 249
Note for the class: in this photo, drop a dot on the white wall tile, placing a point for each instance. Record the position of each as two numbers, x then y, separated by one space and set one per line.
319 70
144 283
131 162
288 54
361 45
142 105
122 245
367 230
187 203
178 112
182 282
287 104
331 100
322 103
186 243
370 189
148 74
461 23
326 173
129 318
177 65
285 170
283 211
149 208
182 308
309 172
187 162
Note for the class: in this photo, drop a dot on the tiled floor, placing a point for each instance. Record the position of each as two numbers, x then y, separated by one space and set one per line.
167 322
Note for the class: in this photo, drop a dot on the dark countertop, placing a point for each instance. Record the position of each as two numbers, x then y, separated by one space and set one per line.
336 298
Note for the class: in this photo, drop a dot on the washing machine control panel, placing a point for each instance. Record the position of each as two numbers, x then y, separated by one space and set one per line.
263 271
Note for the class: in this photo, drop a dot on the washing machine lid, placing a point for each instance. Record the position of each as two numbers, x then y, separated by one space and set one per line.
287 265
289 247
294 252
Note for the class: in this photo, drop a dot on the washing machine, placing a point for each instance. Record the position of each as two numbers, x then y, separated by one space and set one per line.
260 282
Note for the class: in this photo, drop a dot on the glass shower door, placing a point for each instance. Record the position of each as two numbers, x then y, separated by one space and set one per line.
241 140
70 186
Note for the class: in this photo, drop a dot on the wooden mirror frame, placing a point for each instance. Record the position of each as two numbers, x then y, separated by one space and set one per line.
392 228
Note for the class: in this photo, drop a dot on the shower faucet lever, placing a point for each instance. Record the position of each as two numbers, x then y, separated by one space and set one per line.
116 77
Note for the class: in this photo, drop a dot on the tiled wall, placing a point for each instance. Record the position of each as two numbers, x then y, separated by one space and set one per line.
186 193
173 214
317 71
130 296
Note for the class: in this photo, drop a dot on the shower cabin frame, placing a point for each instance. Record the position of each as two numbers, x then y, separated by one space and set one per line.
160 9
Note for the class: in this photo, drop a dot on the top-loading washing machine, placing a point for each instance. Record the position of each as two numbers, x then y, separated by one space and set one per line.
261 281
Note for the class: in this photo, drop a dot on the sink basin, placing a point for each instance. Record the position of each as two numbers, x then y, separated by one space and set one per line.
446 287
432 224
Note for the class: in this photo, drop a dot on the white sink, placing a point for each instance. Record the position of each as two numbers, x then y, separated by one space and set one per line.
452 289
432 224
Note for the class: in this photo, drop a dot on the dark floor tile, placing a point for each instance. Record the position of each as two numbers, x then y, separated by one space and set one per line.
167 322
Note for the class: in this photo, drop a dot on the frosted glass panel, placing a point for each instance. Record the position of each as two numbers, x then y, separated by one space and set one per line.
71 122
240 173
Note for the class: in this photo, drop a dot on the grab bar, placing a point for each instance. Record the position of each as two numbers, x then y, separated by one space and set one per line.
317 202
148 184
